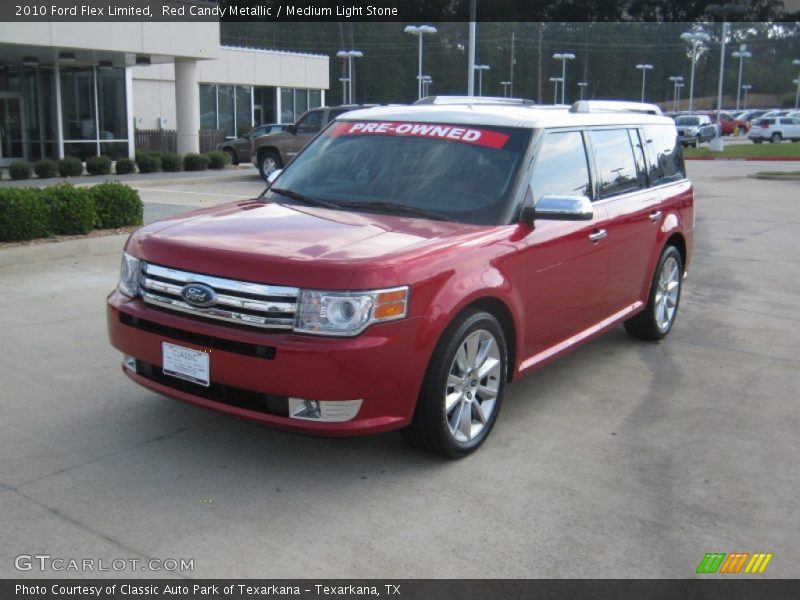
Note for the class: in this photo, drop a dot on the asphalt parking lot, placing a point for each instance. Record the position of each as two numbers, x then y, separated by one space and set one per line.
623 459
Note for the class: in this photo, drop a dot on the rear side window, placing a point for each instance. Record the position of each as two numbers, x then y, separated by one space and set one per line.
615 163
664 152
561 167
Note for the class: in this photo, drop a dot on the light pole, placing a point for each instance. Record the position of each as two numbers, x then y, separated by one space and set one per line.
675 79
695 38
427 80
555 81
582 85
741 54
678 87
350 55
506 85
746 89
419 31
644 69
563 57
480 69
345 81
796 63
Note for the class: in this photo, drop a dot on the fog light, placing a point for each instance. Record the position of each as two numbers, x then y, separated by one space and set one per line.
129 363
330 411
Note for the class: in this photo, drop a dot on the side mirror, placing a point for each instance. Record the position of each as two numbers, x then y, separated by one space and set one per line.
273 176
292 129
562 208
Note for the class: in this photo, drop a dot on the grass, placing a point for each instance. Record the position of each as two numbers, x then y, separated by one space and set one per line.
778 174
749 150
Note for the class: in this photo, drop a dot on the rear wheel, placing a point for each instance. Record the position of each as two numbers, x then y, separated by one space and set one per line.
775 138
463 388
757 141
268 162
656 320
233 158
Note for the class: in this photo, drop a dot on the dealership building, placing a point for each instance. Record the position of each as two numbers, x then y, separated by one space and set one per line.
83 89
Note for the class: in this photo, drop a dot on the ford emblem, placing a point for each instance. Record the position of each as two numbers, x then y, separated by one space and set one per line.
199 294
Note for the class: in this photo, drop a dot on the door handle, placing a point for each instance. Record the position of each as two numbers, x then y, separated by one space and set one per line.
598 235
655 215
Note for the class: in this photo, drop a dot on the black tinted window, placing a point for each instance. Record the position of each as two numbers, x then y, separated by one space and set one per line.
561 167
664 153
310 122
615 165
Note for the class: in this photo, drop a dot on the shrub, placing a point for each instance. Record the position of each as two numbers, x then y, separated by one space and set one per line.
20 170
98 165
195 162
148 163
46 169
243 128
70 167
23 214
217 159
117 205
72 209
171 162
124 166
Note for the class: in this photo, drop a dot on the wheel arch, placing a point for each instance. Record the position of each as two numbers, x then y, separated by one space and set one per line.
677 240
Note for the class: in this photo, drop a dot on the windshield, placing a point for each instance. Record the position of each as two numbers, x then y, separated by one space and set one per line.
448 172
687 121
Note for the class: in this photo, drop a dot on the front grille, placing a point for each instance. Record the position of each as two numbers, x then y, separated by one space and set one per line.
209 341
224 394
240 302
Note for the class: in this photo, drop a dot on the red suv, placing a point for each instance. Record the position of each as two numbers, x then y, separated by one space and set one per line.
408 264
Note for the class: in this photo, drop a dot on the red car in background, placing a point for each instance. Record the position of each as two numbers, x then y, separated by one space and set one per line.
730 126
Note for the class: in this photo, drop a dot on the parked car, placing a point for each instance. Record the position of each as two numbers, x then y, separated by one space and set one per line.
751 115
274 151
694 129
729 125
241 148
408 264
775 129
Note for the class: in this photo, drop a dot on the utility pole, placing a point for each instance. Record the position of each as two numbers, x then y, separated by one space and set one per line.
539 64
473 10
511 78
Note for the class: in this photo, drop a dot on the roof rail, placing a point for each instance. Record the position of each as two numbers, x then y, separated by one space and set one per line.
483 100
594 106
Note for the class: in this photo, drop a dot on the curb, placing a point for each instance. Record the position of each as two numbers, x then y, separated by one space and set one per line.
46 251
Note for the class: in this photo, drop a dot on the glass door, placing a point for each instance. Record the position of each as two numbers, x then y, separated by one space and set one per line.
12 129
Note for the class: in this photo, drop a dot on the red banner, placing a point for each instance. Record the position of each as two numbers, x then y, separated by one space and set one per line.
451 133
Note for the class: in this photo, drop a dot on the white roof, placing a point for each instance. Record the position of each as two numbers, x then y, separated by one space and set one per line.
528 117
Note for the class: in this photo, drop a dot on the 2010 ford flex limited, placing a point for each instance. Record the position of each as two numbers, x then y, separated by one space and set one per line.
408 264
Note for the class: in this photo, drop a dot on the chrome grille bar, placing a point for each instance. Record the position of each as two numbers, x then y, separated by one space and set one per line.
240 302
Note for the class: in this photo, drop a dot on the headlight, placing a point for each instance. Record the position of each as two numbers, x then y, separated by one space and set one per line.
130 276
348 313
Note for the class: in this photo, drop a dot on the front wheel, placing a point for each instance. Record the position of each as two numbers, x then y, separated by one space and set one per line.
775 139
656 320
463 387
268 162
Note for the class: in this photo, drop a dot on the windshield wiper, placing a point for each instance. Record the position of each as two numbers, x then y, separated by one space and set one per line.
399 209
303 198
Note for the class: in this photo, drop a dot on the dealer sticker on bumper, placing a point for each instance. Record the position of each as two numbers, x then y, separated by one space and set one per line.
185 363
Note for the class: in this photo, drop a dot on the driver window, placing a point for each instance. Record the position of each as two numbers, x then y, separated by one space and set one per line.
561 167
310 122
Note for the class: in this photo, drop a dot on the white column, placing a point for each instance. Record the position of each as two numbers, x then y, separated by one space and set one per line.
129 111
187 105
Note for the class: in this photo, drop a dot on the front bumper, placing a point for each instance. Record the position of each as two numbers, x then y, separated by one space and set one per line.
253 373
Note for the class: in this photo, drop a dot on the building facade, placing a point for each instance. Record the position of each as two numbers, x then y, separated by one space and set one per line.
81 89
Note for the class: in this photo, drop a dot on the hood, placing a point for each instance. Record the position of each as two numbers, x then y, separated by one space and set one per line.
288 245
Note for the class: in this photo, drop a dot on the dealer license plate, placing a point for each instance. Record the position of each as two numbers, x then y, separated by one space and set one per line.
185 363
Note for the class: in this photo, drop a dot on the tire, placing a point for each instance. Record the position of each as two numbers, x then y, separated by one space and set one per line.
775 138
232 156
268 162
473 342
755 141
658 317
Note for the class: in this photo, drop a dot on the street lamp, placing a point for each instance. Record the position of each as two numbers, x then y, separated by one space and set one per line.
427 80
746 89
350 55
741 54
419 30
345 81
506 85
563 57
695 38
678 87
555 81
644 69
480 69
675 79
582 85
796 63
